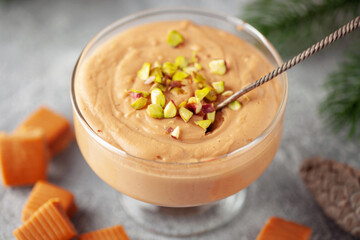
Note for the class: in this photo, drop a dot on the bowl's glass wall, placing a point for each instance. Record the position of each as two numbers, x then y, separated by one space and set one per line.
180 185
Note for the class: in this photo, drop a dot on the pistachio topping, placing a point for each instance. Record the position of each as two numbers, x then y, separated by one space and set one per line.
185 114
169 68
170 110
227 93
155 111
157 74
219 87
218 66
139 103
157 97
174 38
144 72
200 94
176 133
144 93
179 76
211 96
181 62
198 78
203 123
211 116
177 91
190 69
198 66
235 105
183 104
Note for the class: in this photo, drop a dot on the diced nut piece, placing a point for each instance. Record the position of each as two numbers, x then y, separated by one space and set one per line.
157 97
177 91
169 68
174 38
183 104
150 80
155 111
198 78
159 86
198 66
190 70
185 114
176 133
246 97
203 123
235 105
200 94
211 116
218 66
157 73
181 62
227 93
144 72
219 87
211 96
170 110
157 64
179 75
144 93
139 103
23 158
44 191
207 108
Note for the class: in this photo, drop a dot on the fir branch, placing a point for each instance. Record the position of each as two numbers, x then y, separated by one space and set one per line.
341 107
293 25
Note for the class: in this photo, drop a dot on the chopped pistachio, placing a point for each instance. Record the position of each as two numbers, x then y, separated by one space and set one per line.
200 94
198 78
218 66
198 66
181 62
157 97
174 38
219 87
170 110
194 100
194 107
185 114
246 97
155 111
157 73
157 64
183 104
235 105
190 69
208 107
203 123
144 93
194 57
139 103
158 85
227 93
144 72
169 68
179 75
150 80
176 133
211 116
177 91
175 84
211 96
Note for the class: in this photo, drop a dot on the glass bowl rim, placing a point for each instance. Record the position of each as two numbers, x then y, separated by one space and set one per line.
208 13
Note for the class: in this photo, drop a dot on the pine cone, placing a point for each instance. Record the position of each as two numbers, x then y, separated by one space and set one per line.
336 188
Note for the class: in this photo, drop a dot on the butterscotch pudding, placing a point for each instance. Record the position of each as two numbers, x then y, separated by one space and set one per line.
145 119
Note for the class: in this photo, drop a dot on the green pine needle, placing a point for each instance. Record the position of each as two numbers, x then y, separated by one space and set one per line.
294 25
341 107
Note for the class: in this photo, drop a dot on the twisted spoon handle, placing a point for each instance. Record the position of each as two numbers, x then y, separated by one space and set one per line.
349 27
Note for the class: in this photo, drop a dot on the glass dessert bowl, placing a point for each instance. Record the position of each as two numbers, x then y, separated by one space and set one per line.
181 197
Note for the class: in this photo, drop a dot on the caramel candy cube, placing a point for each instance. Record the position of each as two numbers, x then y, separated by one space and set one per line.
280 229
111 233
57 130
49 222
23 158
42 192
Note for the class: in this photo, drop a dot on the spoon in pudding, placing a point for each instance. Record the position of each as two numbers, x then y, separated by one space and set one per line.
344 30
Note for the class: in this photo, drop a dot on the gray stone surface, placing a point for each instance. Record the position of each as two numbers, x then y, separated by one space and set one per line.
40 41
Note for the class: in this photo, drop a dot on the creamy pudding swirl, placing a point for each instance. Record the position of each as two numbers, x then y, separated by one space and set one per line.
150 91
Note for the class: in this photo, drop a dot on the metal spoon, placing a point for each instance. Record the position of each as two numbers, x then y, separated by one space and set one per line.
349 27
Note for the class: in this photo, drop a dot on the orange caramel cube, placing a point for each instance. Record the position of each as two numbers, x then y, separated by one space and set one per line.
111 233
280 229
57 130
42 192
49 222
23 158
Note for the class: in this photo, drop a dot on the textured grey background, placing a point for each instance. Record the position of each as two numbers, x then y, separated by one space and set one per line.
40 41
